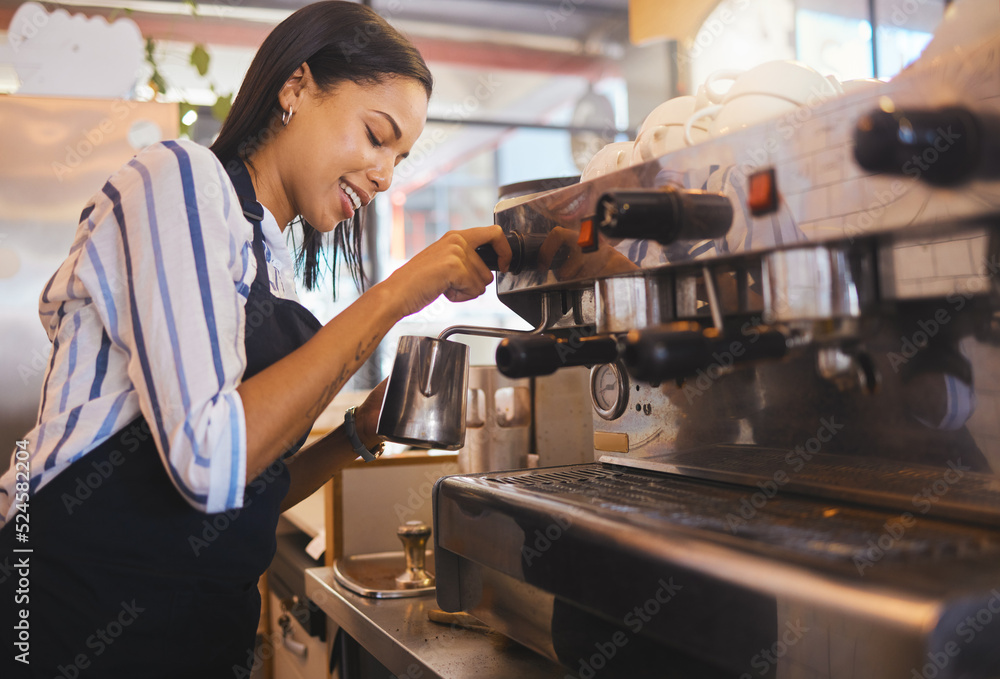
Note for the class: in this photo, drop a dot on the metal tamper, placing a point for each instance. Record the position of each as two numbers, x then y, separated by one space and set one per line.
414 536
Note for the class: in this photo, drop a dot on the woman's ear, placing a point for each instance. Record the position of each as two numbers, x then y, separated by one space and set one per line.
292 92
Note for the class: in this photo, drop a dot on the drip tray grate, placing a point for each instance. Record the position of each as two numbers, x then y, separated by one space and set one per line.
802 524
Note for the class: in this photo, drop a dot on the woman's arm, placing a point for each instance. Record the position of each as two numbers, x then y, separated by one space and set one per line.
317 462
282 401
311 467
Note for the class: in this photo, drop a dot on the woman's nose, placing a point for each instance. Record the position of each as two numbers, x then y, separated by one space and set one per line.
381 175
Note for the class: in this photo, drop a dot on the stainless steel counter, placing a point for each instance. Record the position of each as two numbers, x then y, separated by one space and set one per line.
400 636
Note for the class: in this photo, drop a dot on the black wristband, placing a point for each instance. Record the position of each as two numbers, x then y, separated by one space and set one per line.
351 429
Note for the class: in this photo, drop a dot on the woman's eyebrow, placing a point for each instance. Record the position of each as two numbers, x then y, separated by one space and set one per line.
395 128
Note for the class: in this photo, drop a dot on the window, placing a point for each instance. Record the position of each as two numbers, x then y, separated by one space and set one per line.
833 36
903 29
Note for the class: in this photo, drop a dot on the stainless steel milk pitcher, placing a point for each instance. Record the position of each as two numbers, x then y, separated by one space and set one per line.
424 403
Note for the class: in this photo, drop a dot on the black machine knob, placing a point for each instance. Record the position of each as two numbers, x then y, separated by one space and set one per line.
524 251
941 146
658 354
665 215
544 354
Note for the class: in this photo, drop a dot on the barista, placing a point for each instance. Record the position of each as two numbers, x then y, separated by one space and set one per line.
184 374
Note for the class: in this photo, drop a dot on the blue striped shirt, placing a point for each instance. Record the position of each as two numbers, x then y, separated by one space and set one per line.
146 315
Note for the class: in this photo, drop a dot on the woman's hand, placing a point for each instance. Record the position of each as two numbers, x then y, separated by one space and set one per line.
450 267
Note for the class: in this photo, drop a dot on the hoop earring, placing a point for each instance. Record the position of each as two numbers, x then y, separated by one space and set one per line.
286 117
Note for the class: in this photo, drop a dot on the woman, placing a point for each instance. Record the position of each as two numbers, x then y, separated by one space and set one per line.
184 374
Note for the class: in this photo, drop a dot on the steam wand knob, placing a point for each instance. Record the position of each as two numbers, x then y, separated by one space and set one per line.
942 147
665 215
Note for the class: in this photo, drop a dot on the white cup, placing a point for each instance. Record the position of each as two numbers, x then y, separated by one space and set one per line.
663 139
861 84
748 110
663 129
790 80
671 112
614 156
763 92
741 112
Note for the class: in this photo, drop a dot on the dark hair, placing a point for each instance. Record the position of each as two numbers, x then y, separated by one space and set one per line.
340 41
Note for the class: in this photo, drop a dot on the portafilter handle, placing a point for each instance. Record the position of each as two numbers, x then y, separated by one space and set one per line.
662 353
414 536
543 354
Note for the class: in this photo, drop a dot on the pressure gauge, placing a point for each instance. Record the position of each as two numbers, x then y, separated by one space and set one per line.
609 390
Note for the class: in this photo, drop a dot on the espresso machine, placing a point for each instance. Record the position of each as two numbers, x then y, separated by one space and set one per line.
794 342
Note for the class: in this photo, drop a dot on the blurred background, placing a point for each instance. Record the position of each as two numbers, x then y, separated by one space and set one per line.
525 90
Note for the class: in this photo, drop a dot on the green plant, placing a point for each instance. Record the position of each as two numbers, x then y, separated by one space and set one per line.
200 59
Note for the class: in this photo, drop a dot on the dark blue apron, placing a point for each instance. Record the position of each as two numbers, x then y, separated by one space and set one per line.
126 578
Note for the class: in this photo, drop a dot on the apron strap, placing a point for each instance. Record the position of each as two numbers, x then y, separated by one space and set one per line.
239 175
253 211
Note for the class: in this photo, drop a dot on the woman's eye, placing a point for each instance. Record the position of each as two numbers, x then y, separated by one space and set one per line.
372 138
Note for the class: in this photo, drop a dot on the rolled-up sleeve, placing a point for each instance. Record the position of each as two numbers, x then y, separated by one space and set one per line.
169 289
